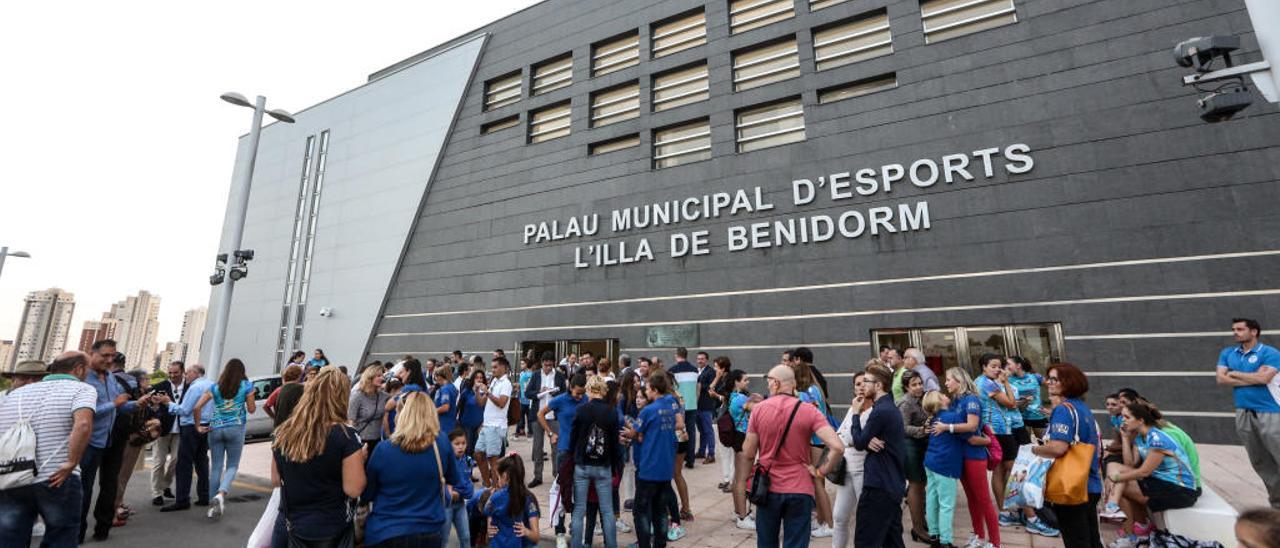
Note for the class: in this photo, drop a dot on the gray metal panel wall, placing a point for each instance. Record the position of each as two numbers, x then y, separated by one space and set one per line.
1124 170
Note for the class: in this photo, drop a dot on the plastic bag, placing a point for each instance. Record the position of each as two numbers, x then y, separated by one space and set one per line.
261 537
1025 487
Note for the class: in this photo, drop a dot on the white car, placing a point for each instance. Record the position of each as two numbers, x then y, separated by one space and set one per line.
260 423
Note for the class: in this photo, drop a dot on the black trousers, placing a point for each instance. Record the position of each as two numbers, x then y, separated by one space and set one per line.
879 519
108 475
1079 523
193 453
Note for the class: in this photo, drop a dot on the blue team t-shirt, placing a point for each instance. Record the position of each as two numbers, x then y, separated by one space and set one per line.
1062 427
565 406
656 450
1256 397
945 455
992 412
1028 385
524 383
447 394
496 509
966 405
1174 468
391 415
738 410
470 413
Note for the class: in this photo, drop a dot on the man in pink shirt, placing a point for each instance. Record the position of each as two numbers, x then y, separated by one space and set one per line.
785 454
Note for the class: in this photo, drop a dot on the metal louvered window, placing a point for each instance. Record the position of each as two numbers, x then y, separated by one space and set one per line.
615 104
502 91
852 41
765 65
499 125
858 89
679 34
614 145
745 15
680 87
552 75
615 55
682 144
815 5
549 123
943 19
770 125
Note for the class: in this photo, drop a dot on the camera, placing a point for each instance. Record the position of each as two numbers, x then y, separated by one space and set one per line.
1199 52
1222 105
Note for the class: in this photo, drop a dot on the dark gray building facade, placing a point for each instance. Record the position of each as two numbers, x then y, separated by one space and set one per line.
743 176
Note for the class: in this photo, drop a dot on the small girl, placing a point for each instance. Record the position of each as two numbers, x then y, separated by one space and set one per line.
943 464
456 514
512 510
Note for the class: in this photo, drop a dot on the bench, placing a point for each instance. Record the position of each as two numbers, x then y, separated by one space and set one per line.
1210 519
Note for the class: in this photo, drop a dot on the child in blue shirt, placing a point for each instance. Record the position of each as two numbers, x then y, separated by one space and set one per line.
943 465
512 510
456 513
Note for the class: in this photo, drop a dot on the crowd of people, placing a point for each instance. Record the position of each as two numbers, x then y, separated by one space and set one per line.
412 453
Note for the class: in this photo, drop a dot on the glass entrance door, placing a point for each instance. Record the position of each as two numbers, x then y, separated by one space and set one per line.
941 352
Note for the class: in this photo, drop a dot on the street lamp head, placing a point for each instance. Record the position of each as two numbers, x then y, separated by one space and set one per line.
22 254
281 115
236 99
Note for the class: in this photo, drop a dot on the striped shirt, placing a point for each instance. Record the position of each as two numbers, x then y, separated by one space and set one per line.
49 406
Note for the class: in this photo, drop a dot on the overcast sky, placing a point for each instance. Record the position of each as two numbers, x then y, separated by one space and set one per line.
115 152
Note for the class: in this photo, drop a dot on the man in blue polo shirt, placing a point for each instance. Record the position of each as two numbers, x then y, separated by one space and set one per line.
1249 367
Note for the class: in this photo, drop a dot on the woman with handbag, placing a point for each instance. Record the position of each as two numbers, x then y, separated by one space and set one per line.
916 422
367 406
1074 483
318 464
407 484
740 404
851 485
982 511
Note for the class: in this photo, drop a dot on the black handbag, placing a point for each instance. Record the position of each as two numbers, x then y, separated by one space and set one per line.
840 471
758 491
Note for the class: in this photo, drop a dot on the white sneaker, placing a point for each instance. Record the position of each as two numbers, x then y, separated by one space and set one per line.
745 522
1127 541
814 525
562 542
37 530
217 506
975 542
621 526
822 532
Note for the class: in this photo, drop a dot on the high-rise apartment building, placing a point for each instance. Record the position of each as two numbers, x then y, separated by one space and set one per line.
6 353
94 331
137 322
192 334
172 351
46 321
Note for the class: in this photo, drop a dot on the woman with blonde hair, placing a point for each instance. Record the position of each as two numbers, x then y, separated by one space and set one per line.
982 511
318 464
367 405
407 484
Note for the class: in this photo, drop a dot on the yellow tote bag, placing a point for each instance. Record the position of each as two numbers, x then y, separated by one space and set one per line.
1067 482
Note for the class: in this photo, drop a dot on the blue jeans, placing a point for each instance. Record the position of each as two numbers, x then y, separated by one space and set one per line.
455 517
706 434
650 512
59 507
602 478
225 445
784 513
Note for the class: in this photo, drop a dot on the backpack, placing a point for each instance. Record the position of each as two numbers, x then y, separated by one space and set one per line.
18 453
515 411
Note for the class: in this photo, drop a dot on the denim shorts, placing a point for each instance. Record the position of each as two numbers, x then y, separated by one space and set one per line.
492 441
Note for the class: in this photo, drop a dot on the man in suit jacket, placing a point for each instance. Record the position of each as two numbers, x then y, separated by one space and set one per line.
166 446
543 386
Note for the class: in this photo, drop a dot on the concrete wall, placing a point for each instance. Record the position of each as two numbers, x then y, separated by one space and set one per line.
384 140
1131 204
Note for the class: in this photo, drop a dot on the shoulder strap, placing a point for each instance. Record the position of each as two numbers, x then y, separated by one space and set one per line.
1075 417
444 489
782 441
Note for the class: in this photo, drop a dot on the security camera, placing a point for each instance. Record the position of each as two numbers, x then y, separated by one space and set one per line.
216 278
244 254
239 272
1220 106
326 312
1200 52
221 259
